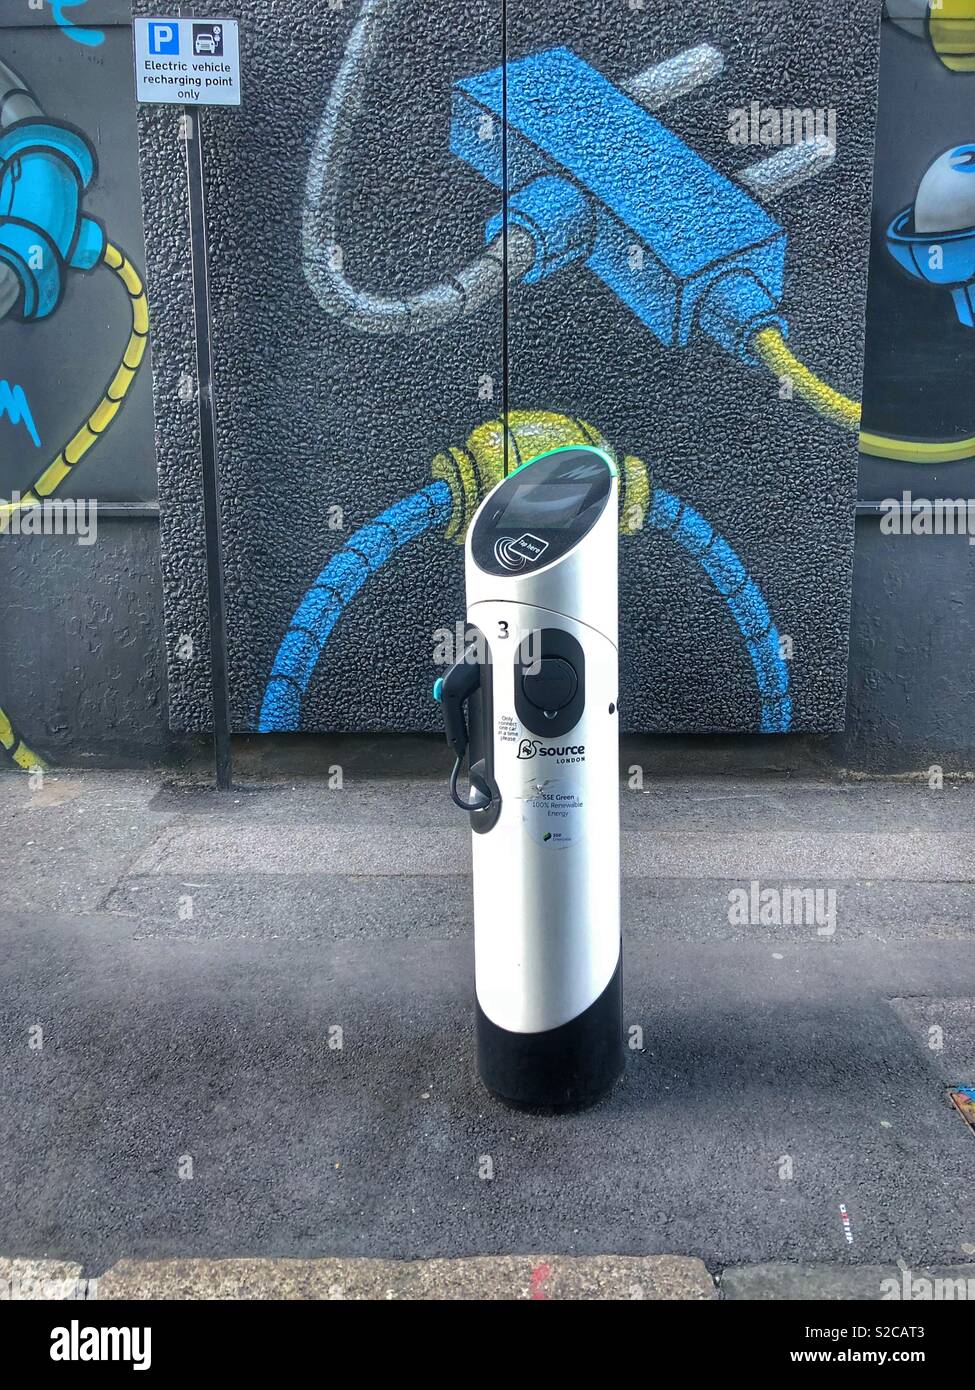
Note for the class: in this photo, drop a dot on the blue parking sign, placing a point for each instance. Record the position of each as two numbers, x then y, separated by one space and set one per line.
164 38
183 62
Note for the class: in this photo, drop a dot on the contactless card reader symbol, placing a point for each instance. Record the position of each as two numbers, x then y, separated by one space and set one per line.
529 547
514 554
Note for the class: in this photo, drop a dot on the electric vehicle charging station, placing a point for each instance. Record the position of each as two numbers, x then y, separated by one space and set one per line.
532 704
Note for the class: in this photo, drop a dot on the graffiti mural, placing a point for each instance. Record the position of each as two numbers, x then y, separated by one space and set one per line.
920 352
948 26
73 308
449 503
662 280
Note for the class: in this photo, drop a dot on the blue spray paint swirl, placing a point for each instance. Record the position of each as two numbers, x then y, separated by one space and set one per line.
91 38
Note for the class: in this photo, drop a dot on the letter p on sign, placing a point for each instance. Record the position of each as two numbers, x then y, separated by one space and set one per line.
163 38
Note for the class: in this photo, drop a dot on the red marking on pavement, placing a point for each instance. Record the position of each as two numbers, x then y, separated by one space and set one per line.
539 1274
847 1224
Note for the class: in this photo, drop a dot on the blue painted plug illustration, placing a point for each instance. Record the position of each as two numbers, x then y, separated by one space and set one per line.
595 177
934 240
45 169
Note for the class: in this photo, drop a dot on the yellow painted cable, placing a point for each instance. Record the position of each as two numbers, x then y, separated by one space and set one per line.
774 352
772 349
15 747
636 495
81 441
951 27
108 407
884 446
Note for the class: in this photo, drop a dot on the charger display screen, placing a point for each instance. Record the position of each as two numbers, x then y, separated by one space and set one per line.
544 504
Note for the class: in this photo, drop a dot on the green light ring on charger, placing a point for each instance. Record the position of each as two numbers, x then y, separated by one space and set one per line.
566 449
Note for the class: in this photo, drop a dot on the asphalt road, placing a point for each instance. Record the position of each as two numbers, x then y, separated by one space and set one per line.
189 960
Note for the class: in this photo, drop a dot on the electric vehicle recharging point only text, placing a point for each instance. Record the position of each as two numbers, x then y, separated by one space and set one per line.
532 703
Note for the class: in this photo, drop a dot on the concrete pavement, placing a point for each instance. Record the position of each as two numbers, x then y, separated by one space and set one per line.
242 1028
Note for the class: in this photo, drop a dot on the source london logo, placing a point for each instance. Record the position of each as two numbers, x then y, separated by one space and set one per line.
531 748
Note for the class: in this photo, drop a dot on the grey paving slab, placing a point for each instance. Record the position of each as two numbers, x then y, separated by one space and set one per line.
856 1283
333 906
669 803
945 1028
41 1281
397 848
68 842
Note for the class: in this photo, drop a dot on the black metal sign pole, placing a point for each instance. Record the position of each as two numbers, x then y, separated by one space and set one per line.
220 696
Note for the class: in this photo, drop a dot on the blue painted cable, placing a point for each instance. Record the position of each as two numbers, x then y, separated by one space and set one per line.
742 595
371 547
363 554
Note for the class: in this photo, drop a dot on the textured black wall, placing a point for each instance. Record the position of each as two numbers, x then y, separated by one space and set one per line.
81 658
315 416
912 679
81 630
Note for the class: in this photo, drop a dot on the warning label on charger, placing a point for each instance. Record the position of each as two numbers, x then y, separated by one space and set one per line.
552 812
507 729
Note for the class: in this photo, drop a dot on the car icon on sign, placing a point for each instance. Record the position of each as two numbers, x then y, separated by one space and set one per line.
205 43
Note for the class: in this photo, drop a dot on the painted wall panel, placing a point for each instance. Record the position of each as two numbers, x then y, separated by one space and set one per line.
772 478
76 420
327 423
920 354
322 428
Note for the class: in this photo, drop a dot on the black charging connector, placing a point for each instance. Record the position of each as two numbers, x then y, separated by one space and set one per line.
454 691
